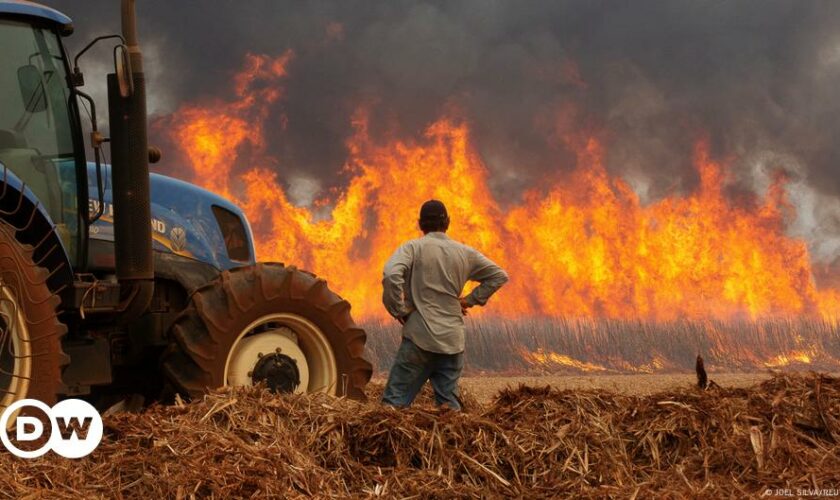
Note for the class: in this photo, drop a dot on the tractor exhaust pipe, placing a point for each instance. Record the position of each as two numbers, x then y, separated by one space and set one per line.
130 175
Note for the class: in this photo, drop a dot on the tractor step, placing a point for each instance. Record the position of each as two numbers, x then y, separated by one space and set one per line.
91 365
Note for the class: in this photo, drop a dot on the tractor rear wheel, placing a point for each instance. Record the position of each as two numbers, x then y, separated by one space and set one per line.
272 324
31 359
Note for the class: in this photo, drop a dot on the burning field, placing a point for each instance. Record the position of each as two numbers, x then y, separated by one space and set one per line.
605 280
779 436
600 280
579 245
658 179
599 346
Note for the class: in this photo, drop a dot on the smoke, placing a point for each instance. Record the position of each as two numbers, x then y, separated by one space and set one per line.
758 79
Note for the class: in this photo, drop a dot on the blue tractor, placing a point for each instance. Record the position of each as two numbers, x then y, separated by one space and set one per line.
116 281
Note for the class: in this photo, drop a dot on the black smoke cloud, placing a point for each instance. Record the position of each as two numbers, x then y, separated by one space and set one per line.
757 78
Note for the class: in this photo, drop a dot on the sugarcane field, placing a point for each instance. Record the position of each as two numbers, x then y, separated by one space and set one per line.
419 249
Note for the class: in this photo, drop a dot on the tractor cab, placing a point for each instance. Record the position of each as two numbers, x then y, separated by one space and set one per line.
40 144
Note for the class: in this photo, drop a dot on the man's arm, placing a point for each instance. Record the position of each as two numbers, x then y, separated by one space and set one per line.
393 282
490 276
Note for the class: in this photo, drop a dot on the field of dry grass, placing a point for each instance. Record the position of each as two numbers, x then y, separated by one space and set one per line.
551 409
544 346
526 443
485 387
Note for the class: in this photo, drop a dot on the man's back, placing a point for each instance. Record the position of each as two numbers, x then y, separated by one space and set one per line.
421 288
432 271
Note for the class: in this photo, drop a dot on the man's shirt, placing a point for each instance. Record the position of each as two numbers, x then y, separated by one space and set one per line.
424 280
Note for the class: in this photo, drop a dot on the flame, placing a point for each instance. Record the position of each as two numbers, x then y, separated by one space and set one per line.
213 132
656 364
582 245
550 359
786 359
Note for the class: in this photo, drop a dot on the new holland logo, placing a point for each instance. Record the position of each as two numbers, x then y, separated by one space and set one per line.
75 428
178 239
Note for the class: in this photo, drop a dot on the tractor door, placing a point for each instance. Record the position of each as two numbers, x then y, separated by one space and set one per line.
38 139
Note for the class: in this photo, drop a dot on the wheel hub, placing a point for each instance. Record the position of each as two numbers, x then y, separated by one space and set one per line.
279 372
273 357
292 336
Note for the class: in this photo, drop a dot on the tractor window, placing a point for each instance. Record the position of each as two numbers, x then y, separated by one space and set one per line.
36 140
233 231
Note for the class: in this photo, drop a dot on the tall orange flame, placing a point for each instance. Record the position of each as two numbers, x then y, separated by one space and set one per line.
586 246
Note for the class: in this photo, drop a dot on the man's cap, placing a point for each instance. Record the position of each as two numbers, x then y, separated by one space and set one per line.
433 210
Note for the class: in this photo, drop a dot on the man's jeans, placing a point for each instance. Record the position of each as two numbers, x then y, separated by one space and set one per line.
413 366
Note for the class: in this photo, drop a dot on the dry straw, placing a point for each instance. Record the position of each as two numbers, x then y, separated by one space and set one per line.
531 442
621 346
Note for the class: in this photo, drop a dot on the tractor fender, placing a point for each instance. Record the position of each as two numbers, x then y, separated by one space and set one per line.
21 209
191 274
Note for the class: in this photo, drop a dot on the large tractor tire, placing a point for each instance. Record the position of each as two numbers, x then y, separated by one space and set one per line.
272 324
31 359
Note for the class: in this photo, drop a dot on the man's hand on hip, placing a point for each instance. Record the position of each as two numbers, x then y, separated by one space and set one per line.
404 319
464 305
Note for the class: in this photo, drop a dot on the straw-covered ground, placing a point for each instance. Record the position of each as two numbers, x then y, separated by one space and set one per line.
530 441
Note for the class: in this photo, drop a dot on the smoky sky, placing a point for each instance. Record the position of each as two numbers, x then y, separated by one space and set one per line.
758 79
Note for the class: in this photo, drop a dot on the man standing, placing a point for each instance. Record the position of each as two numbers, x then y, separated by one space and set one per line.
422 288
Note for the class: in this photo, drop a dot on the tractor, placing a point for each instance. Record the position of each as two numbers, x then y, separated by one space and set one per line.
118 281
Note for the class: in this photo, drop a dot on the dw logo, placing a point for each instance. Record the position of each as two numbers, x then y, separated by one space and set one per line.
75 428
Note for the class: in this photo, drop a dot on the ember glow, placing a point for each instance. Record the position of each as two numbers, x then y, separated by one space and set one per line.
550 359
580 245
783 360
